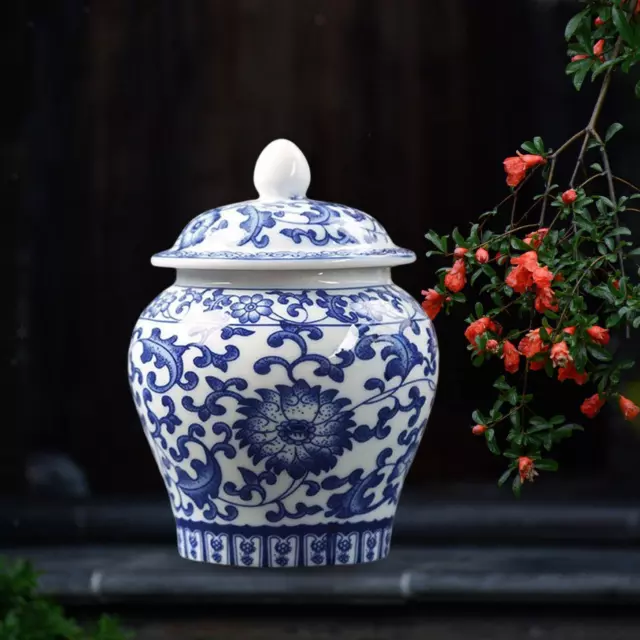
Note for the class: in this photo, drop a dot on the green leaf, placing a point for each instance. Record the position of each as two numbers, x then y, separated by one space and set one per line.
512 396
505 476
492 445
637 89
477 417
433 237
596 167
542 427
613 129
501 384
539 144
619 231
599 353
529 147
601 68
479 309
517 486
458 238
581 74
566 431
518 244
548 368
574 23
515 419
580 357
559 419
478 360
546 464
634 252
622 25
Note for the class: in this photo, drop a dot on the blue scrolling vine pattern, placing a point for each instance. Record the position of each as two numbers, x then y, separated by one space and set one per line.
294 433
301 221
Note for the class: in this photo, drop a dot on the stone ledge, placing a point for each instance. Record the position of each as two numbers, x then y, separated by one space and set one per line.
123 575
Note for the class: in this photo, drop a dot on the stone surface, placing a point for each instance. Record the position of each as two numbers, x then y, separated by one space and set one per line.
119 575
459 625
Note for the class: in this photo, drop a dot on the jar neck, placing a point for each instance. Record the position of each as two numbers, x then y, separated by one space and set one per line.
294 279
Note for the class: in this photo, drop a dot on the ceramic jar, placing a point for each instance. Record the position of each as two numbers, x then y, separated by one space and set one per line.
283 382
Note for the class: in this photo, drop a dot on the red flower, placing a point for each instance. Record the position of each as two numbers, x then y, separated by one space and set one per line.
531 344
477 328
500 259
569 330
536 365
516 167
515 170
598 48
482 256
616 284
492 346
459 252
545 299
511 357
598 335
542 277
432 302
592 405
456 276
560 355
478 430
571 373
526 469
628 408
599 21
535 238
531 160
569 197
580 56
521 278
528 261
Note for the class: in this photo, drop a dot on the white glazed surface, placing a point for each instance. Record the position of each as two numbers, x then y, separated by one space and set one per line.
283 418
283 382
282 226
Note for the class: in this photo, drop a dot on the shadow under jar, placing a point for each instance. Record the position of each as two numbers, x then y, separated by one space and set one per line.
283 382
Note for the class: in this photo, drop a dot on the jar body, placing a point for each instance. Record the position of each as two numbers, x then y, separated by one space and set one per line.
284 410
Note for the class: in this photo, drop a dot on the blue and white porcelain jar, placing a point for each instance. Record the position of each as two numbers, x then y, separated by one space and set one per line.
283 382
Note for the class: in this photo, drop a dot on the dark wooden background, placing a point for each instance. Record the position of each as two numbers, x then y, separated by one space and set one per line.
125 118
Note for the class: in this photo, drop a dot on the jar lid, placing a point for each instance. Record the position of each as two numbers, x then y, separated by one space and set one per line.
282 229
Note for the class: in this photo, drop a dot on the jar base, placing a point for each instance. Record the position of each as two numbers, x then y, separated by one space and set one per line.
318 545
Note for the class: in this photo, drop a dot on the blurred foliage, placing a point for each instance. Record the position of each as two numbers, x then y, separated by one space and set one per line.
25 615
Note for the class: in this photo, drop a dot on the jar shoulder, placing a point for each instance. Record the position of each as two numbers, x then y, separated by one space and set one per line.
254 307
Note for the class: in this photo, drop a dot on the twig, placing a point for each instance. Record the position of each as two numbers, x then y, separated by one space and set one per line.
595 114
580 279
552 168
612 197
567 143
513 209
583 149
629 184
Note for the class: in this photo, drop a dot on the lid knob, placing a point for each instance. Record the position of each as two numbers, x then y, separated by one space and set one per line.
282 172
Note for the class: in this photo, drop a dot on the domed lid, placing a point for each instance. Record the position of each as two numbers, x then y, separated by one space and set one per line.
282 229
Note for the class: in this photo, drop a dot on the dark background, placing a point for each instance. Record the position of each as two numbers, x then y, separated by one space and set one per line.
124 119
